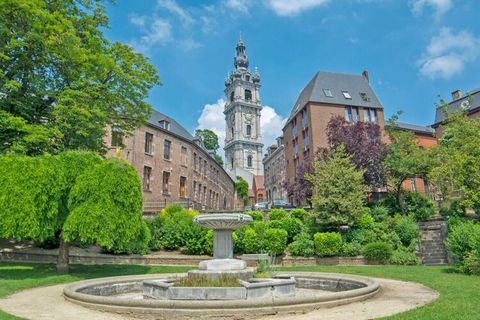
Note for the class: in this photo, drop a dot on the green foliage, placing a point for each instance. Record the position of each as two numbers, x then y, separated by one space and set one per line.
65 79
224 281
155 226
208 138
378 251
277 214
351 249
218 159
455 209
293 226
407 230
275 241
327 244
365 221
256 215
241 186
421 207
140 245
251 243
339 192
404 257
379 213
105 207
299 213
302 245
471 263
463 238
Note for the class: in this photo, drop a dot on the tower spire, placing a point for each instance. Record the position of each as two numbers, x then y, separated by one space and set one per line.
241 59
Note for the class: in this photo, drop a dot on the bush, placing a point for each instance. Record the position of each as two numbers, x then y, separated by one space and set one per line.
455 210
256 215
379 213
454 221
471 263
365 221
404 257
293 226
378 251
275 241
155 227
277 214
196 242
407 229
421 207
251 243
351 249
463 239
176 227
300 214
140 245
302 246
327 243
362 237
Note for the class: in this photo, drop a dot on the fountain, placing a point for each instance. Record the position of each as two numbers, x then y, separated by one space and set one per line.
158 294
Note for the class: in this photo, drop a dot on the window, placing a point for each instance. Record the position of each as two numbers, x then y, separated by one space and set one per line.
166 181
351 114
370 115
328 93
147 172
183 183
249 130
195 161
247 77
117 137
204 195
413 183
231 162
194 190
249 161
184 156
165 124
365 97
232 96
148 143
347 95
232 133
248 95
205 167
166 149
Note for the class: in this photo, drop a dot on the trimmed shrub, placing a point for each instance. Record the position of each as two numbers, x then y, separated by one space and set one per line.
327 243
351 249
404 257
251 243
238 240
196 241
302 246
365 221
277 214
155 227
378 251
256 215
275 241
293 226
407 229
463 239
300 214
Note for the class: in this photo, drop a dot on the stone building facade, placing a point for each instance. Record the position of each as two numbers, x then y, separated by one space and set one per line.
174 166
274 171
243 137
326 95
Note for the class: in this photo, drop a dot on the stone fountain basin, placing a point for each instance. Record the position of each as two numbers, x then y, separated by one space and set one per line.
165 289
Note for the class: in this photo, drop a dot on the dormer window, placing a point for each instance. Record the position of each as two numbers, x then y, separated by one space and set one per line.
347 95
165 124
328 93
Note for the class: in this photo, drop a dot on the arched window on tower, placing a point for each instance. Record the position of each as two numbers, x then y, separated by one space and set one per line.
231 162
249 161
232 133
231 96
249 130
248 95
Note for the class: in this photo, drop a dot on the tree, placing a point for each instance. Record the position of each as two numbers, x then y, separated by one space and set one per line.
338 190
218 159
457 167
363 141
62 82
405 159
301 188
208 138
106 207
241 186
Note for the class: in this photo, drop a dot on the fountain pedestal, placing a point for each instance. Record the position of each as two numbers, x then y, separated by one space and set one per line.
223 263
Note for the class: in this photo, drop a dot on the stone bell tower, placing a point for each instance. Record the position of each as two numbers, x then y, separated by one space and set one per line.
243 138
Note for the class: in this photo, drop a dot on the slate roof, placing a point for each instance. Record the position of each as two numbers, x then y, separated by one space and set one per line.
471 100
336 83
416 128
175 127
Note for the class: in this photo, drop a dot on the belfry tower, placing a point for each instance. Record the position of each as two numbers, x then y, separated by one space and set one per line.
243 138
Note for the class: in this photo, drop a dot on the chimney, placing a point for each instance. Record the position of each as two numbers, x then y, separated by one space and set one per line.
366 76
457 94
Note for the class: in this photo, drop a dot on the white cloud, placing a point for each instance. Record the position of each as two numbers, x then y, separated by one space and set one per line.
448 53
439 6
290 8
174 8
212 118
241 6
160 31
138 20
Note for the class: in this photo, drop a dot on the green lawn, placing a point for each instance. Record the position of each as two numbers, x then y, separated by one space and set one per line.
459 294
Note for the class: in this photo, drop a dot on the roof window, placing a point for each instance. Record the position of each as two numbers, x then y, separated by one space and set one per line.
365 97
328 93
347 95
165 124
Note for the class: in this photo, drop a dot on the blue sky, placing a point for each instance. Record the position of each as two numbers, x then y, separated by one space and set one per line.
414 50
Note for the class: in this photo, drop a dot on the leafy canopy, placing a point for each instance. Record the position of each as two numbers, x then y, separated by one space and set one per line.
61 81
241 186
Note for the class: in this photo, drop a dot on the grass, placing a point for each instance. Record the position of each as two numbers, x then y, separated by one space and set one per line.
203 281
459 294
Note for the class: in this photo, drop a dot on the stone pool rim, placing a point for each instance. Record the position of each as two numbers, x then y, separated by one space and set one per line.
218 307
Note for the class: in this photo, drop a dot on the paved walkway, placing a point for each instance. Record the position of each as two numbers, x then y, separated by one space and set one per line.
395 297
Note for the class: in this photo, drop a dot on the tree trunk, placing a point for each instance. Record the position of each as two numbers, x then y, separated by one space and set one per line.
400 200
63 256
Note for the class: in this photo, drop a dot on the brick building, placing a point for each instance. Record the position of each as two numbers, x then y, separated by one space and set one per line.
174 166
326 95
274 171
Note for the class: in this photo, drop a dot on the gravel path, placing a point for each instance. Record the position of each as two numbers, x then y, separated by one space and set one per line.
395 296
